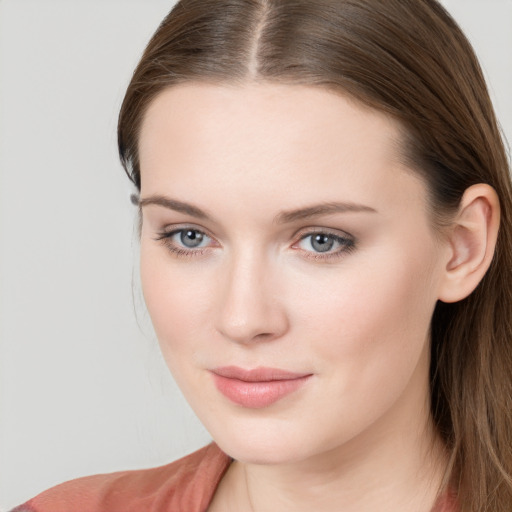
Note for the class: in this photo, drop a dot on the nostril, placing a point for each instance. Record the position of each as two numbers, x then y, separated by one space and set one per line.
247 334
264 335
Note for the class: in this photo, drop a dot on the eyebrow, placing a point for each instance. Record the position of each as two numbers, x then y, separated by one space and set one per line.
284 217
321 209
173 204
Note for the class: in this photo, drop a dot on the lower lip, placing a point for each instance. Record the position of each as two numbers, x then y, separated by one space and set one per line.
256 395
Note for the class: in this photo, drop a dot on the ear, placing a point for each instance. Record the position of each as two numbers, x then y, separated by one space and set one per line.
472 240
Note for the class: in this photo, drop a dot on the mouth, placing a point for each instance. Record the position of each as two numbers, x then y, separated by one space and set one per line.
259 387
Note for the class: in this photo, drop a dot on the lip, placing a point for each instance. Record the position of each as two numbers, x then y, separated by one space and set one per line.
258 387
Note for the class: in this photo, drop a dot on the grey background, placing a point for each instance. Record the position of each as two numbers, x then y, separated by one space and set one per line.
83 389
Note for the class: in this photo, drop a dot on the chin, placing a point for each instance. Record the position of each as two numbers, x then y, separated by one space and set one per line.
262 453
261 444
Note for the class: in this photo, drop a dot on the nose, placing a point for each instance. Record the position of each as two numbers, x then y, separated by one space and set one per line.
250 308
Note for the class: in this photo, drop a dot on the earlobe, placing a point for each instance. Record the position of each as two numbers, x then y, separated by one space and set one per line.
472 240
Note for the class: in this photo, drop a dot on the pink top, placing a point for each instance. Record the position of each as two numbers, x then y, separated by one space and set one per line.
186 485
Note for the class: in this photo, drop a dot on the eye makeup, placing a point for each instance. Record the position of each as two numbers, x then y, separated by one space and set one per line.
317 244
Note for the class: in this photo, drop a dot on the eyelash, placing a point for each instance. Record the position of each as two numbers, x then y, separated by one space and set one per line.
347 244
166 238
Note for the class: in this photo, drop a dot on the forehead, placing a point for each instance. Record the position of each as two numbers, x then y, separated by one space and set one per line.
257 112
267 138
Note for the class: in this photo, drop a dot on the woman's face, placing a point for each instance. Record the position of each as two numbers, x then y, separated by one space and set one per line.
281 234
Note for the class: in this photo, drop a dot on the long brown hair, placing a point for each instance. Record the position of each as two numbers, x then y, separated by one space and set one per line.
409 59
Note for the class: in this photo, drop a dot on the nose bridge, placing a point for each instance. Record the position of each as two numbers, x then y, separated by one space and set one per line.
250 308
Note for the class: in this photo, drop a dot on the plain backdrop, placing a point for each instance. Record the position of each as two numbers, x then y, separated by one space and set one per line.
83 389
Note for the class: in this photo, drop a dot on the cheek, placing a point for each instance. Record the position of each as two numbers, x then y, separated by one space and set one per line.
372 317
172 297
366 333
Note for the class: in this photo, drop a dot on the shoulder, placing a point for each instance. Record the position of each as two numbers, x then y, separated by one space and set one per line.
187 484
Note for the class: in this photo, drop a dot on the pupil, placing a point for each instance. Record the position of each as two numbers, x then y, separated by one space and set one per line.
191 238
322 243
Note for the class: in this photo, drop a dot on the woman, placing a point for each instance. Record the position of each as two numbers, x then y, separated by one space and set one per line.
326 258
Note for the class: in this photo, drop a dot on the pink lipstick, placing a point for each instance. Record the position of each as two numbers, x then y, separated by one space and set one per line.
259 387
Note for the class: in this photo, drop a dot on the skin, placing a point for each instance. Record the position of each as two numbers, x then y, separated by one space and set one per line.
357 436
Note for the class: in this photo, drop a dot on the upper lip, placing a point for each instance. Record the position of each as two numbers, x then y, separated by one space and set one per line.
260 374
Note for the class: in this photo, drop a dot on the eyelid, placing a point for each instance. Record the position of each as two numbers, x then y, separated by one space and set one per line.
166 234
171 229
347 244
339 233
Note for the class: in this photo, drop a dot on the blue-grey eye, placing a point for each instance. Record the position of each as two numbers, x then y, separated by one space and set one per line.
191 238
325 243
322 242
